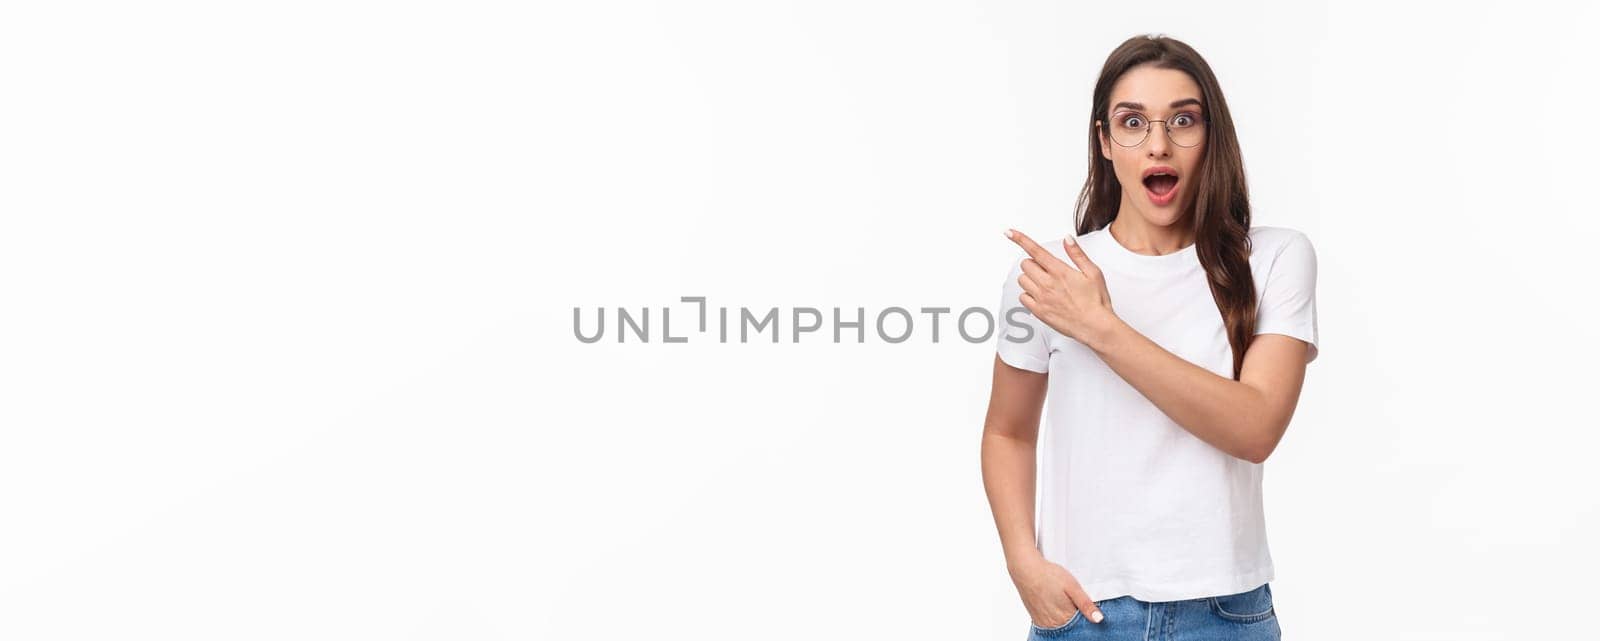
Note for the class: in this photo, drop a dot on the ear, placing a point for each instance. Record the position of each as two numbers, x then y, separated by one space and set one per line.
1105 145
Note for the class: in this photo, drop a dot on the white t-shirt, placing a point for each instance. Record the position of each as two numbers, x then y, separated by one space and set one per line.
1129 502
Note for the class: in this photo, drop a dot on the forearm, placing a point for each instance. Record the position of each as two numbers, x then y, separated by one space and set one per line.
1008 479
1228 414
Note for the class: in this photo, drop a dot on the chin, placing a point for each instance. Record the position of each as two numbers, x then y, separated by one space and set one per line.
1165 217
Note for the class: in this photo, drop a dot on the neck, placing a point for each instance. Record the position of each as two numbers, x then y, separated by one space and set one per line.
1138 235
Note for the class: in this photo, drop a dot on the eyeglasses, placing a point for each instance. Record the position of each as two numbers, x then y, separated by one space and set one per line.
1131 128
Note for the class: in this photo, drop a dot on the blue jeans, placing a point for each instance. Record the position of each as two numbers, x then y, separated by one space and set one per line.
1246 616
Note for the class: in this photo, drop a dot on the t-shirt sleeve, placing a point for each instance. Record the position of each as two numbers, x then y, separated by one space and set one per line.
1020 341
1289 299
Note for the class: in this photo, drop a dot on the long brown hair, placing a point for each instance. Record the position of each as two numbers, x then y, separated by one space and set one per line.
1221 215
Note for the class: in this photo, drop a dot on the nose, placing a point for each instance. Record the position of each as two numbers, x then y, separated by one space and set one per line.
1158 143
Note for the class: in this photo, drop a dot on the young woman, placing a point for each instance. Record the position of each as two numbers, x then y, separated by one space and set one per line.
1171 339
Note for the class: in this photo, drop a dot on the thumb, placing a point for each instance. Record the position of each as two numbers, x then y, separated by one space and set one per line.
1085 605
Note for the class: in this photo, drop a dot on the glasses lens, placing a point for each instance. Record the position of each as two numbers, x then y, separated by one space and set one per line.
1186 131
1129 130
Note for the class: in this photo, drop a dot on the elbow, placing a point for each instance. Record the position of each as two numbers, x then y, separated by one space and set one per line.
1257 455
1262 446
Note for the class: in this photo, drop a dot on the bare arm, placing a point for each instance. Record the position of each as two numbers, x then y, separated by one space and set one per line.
1010 437
1245 418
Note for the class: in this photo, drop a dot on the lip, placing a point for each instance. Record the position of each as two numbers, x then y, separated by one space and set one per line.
1158 168
1160 200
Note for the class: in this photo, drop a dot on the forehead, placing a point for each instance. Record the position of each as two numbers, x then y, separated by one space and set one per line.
1153 87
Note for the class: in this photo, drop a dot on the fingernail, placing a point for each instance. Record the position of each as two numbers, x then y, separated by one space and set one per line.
1008 233
1097 617
1072 240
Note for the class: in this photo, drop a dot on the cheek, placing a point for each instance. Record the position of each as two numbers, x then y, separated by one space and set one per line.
1126 165
1191 161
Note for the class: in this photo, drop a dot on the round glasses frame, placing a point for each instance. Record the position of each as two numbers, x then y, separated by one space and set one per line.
1199 121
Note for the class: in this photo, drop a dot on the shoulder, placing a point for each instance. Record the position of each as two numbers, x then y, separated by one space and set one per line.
1269 235
1269 242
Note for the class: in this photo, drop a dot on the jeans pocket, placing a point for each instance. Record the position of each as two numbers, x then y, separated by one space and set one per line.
1251 606
1057 630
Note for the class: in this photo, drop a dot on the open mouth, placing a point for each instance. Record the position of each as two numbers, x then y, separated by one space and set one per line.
1161 184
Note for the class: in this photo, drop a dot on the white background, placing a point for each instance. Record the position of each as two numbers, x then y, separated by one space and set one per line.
286 298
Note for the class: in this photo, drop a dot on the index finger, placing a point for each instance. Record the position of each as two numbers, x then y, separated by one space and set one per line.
1039 254
1081 600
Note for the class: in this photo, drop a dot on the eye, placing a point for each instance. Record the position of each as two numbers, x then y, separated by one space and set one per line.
1184 120
1133 122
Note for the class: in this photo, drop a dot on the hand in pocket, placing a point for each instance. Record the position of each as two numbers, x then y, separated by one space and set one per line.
1051 594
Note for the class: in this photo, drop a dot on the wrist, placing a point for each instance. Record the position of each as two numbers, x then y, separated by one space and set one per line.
1103 333
1022 559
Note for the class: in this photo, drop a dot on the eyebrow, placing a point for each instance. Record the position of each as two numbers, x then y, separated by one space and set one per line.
1175 104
